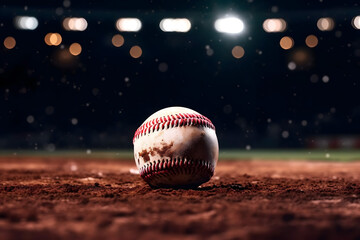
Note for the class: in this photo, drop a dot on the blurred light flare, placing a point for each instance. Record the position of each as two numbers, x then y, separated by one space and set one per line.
63 59
274 25
356 22
286 42
135 52
311 41
230 25
325 79
75 24
175 25
238 52
291 66
326 24
163 67
30 119
300 57
53 39
117 40
26 22
75 49
128 24
47 39
9 42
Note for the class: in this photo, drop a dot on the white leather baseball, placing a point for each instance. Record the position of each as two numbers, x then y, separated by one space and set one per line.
176 147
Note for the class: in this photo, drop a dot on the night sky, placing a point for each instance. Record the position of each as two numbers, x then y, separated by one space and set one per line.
269 98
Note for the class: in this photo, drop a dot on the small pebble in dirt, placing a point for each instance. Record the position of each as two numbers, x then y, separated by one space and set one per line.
96 184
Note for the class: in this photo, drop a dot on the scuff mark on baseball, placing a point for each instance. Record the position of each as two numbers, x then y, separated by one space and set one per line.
176 147
162 151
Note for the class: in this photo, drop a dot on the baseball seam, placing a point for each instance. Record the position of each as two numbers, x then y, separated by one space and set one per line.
170 167
170 121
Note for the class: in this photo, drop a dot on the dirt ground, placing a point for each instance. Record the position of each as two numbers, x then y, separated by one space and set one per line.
74 198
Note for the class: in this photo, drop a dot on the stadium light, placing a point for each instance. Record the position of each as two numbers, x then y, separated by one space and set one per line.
135 52
75 24
53 39
75 49
238 52
9 42
325 24
286 42
175 25
356 22
117 40
311 41
128 24
274 25
26 23
230 25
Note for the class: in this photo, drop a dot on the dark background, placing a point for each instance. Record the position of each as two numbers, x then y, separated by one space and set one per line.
255 101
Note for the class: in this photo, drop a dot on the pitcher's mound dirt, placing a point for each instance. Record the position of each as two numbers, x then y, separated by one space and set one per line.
54 198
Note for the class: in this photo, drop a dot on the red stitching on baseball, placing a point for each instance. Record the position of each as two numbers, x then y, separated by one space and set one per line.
166 167
170 121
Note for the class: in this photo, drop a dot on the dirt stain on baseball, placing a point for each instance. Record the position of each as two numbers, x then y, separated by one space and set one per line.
164 150
145 155
197 146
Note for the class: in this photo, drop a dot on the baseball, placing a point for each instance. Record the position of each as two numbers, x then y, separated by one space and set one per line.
176 147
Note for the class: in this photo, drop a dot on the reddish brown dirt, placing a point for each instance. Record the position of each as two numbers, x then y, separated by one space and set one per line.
53 198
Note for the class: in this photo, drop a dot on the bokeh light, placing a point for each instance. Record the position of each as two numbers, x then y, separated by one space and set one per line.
274 25
286 42
356 22
75 49
175 25
325 79
128 24
302 57
326 24
117 40
292 66
75 24
9 42
238 52
311 41
53 39
26 23
47 39
63 59
229 25
136 52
